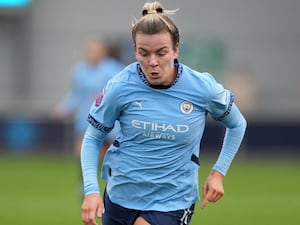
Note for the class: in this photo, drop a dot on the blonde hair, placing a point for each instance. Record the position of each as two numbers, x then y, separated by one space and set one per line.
154 20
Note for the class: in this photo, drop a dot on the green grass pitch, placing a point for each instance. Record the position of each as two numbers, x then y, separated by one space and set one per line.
45 190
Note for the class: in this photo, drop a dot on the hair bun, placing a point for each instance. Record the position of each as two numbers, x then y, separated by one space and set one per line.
147 12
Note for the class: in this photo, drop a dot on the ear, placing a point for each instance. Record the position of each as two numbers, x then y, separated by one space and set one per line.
134 49
176 50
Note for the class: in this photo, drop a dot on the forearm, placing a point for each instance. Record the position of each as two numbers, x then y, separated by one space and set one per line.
90 152
235 125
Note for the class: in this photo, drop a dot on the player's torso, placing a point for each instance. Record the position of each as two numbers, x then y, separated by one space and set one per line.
161 130
90 80
166 116
160 134
159 115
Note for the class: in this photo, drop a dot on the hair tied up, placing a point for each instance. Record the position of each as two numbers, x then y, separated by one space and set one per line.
147 12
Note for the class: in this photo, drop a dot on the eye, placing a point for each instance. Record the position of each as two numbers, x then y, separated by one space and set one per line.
143 53
162 53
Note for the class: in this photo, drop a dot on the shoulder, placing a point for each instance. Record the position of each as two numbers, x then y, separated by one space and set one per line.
196 78
116 62
81 65
79 70
121 86
124 78
112 64
127 74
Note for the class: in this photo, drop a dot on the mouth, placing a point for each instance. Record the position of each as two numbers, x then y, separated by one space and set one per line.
154 75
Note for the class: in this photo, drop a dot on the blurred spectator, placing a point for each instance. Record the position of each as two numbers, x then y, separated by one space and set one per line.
88 79
246 89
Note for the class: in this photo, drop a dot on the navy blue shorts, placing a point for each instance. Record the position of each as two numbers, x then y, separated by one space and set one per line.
117 215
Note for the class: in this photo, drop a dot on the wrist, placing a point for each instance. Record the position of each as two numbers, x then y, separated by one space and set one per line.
217 174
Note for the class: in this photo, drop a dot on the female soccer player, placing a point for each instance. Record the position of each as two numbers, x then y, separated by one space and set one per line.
88 77
152 168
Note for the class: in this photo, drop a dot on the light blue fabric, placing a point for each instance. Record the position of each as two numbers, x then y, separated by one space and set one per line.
88 81
153 164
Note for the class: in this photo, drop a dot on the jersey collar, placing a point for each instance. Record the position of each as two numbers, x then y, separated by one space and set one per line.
177 65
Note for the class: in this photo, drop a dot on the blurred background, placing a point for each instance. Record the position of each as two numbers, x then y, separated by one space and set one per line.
252 47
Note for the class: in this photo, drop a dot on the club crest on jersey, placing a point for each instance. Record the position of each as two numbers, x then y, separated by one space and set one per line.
186 107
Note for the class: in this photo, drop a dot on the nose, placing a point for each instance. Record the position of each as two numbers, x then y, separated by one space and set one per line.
153 60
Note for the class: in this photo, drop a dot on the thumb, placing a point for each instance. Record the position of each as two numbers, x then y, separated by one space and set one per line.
100 211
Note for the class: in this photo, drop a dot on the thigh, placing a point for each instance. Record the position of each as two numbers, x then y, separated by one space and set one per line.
141 221
179 217
117 215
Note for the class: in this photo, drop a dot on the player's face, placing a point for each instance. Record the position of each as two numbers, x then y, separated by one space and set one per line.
156 54
95 51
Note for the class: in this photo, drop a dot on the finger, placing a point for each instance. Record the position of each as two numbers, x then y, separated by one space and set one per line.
92 220
204 190
211 196
85 217
204 202
217 196
88 217
100 211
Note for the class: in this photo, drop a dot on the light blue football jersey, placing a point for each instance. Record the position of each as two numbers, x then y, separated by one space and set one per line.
153 164
87 81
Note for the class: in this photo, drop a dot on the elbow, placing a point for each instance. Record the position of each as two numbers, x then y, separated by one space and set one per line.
244 123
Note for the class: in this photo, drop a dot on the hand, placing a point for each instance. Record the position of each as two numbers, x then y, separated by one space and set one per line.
92 206
213 188
59 114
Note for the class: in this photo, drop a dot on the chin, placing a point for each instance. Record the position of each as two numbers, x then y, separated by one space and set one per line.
155 82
